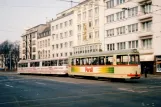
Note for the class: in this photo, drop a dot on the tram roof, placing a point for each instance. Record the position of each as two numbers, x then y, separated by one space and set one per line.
25 61
119 52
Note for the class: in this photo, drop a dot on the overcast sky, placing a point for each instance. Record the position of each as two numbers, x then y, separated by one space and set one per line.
17 15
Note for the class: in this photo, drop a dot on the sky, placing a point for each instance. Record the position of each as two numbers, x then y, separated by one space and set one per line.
18 15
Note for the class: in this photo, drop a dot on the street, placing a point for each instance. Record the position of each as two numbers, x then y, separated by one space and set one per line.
52 91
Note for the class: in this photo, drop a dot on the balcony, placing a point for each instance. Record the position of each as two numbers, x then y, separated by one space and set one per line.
145 16
146 51
145 33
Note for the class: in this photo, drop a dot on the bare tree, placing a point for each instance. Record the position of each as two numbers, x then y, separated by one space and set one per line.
10 53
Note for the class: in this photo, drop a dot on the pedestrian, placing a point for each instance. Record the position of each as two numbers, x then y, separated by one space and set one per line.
145 71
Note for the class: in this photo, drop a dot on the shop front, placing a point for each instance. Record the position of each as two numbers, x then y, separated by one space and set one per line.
157 64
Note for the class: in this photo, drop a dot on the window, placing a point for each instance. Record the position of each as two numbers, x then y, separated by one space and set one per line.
110 47
53 46
48 42
120 2
96 34
57 27
61 35
110 4
90 24
110 18
147 43
61 45
110 32
132 28
79 17
57 37
61 25
96 11
70 43
70 33
90 35
120 15
133 44
57 46
52 27
70 22
133 12
147 8
122 59
66 44
147 25
33 49
84 15
79 27
53 36
79 37
121 45
90 13
121 30
65 23
96 22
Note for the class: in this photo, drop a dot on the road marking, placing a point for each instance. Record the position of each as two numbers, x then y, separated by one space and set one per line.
40 83
126 89
8 85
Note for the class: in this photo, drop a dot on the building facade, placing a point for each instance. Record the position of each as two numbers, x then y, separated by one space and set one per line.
63 34
134 25
100 25
89 30
28 45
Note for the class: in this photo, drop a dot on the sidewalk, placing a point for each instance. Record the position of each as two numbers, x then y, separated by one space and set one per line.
151 76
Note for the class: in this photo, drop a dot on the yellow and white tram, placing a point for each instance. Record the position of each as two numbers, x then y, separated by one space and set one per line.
50 66
123 64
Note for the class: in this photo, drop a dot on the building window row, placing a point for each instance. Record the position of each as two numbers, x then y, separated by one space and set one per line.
61 25
90 14
122 15
110 47
62 35
112 3
43 43
62 54
62 45
87 49
122 30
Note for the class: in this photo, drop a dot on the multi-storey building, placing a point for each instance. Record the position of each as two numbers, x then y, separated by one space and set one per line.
28 46
100 25
44 43
62 32
133 24
89 30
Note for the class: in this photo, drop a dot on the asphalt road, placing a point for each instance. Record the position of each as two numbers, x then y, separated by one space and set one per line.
50 91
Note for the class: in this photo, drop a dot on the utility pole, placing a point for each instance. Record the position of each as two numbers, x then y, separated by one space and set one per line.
10 61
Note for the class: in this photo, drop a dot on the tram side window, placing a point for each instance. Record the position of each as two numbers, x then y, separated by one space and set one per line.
109 60
24 65
53 63
95 61
60 62
134 59
77 61
122 59
101 60
65 61
43 63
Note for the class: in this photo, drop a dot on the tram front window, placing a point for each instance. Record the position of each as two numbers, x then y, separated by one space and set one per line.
122 59
134 59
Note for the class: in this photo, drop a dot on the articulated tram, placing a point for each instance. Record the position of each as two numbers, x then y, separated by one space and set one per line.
122 64
50 66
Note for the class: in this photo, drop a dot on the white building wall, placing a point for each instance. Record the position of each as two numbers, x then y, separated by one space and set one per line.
156 27
67 32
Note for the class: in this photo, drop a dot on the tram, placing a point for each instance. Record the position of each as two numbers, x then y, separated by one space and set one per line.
120 64
50 66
